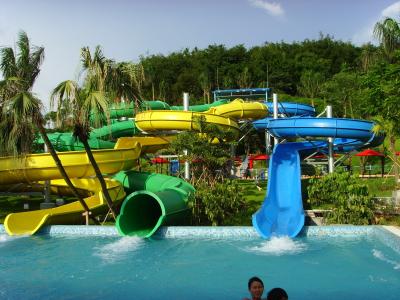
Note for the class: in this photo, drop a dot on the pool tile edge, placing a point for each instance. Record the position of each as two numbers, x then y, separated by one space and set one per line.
208 231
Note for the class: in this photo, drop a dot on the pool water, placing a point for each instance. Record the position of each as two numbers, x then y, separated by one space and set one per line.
346 267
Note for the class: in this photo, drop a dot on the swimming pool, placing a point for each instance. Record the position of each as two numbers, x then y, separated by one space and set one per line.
346 262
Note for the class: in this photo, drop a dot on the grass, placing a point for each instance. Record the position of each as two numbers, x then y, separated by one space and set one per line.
254 198
379 187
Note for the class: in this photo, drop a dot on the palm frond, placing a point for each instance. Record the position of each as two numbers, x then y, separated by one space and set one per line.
23 51
388 34
95 103
64 98
35 62
8 64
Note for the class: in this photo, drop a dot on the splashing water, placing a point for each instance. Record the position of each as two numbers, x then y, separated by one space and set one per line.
4 238
379 255
119 249
280 246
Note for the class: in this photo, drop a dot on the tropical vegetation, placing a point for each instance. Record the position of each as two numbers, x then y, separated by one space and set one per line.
20 109
359 81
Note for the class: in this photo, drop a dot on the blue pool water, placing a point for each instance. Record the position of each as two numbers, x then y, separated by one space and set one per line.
354 266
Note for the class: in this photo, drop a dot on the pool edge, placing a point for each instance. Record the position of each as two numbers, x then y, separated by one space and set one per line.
211 231
393 229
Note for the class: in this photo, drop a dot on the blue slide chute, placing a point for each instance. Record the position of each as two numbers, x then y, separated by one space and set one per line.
282 212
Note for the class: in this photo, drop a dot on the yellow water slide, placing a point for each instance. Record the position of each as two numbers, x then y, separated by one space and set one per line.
223 115
39 167
31 221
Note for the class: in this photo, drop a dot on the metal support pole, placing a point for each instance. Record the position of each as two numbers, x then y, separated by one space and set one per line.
331 162
275 106
267 134
186 108
233 153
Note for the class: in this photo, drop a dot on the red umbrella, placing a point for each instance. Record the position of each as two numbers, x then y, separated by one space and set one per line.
369 152
252 158
259 157
159 160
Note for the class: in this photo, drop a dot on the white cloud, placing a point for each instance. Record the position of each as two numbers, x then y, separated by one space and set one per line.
273 8
392 11
365 35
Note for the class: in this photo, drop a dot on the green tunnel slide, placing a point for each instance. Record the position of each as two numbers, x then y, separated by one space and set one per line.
153 200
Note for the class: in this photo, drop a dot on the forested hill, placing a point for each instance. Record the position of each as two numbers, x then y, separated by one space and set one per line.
287 67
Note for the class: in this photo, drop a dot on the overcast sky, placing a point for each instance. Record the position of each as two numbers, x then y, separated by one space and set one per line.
127 29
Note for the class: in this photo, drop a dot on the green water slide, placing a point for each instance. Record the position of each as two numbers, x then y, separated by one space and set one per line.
126 110
201 107
153 200
100 138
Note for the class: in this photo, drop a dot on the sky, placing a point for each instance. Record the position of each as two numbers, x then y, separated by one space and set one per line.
128 29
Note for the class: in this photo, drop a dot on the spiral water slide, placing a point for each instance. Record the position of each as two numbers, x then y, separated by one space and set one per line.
123 157
282 212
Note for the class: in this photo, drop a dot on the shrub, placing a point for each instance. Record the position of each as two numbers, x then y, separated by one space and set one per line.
217 204
352 204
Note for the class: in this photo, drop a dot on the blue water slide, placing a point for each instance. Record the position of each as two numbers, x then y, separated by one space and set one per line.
282 211
292 109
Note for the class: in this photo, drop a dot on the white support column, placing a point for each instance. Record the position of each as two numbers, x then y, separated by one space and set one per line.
331 161
275 106
267 134
186 108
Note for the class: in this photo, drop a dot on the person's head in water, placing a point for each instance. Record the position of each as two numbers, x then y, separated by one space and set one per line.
277 294
256 287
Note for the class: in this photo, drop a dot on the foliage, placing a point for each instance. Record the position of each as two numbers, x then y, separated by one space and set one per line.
218 204
217 198
388 33
19 108
352 204
279 65
209 151
343 92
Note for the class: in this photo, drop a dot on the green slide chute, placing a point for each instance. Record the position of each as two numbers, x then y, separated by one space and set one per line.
153 200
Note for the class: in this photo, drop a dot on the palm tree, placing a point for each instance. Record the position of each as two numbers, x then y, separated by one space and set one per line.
20 109
104 81
388 34
68 97
392 130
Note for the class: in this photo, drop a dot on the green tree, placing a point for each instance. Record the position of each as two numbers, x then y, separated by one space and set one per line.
82 102
217 198
382 86
310 84
350 200
20 109
341 91
388 34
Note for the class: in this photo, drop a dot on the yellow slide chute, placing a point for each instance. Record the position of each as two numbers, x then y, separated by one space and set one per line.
223 115
39 167
31 221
